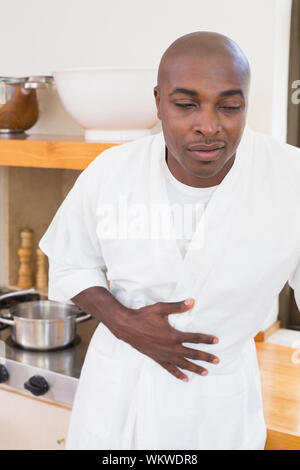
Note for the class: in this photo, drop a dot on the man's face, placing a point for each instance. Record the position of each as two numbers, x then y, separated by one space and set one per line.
202 106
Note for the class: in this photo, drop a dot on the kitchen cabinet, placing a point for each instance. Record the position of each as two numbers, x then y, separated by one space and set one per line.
31 424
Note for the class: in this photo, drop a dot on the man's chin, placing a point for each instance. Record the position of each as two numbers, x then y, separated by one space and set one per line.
205 169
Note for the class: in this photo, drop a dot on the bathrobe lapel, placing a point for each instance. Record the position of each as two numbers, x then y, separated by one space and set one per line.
214 228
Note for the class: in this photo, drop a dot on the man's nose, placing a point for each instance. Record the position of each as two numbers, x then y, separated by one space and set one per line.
206 122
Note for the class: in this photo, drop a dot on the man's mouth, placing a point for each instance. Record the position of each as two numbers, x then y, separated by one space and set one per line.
207 152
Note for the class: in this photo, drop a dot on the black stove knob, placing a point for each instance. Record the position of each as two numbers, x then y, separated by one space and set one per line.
37 385
4 375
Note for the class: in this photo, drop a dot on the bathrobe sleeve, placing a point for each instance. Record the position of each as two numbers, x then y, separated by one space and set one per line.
71 242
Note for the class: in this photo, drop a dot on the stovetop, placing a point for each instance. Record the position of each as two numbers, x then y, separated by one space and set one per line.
50 375
67 361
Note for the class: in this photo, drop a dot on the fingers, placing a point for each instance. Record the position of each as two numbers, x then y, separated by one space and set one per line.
197 338
167 308
184 364
198 355
173 370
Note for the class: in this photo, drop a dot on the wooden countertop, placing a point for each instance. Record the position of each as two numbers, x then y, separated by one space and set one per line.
49 151
280 377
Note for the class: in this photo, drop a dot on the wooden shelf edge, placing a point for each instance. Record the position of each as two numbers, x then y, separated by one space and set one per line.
60 152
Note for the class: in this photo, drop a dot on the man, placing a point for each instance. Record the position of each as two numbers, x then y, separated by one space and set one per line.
172 365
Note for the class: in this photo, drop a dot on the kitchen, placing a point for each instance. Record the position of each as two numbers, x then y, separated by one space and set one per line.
37 173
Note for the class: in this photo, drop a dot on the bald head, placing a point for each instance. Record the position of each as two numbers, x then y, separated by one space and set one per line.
204 45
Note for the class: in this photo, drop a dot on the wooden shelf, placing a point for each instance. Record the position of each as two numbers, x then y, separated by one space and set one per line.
49 151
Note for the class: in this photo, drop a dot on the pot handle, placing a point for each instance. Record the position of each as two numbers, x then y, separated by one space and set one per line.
16 293
83 318
7 321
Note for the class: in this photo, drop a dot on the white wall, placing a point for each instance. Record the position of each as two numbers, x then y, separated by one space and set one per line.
38 37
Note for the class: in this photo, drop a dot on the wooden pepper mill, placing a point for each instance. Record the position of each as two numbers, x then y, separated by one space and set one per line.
41 279
25 272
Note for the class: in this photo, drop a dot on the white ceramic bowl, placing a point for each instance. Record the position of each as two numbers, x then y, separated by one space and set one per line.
111 104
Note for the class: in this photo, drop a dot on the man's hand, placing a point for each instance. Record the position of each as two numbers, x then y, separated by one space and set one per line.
147 329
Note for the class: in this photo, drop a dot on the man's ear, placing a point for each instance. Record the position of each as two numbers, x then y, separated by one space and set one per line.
157 100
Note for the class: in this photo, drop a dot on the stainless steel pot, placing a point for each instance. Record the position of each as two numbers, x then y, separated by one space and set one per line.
43 324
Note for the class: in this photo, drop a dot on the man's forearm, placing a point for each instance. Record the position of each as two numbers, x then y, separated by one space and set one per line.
99 302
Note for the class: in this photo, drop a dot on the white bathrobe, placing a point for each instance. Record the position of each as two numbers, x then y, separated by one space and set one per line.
246 247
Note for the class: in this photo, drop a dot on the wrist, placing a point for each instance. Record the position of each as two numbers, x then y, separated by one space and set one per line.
118 320
100 303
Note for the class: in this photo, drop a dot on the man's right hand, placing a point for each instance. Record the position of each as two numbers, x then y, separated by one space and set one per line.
148 330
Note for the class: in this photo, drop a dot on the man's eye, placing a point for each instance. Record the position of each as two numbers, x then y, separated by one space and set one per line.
230 107
186 105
